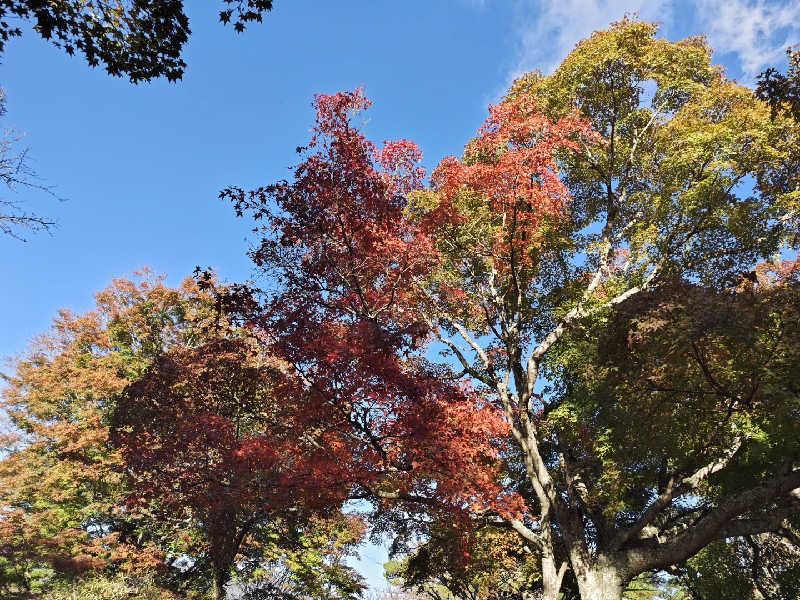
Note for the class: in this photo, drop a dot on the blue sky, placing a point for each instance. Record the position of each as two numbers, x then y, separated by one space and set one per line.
140 166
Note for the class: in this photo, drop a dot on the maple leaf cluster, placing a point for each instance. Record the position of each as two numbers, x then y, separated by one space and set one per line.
513 164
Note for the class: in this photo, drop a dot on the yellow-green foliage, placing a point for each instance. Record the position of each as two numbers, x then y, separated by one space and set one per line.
119 587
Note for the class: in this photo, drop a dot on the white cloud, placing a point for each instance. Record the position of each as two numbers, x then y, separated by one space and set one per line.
757 32
548 30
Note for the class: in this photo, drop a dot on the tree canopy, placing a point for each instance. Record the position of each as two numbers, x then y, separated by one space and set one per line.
543 282
182 487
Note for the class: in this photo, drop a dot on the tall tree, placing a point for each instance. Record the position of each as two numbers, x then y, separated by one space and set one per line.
635 176
348 260
140 39
62 483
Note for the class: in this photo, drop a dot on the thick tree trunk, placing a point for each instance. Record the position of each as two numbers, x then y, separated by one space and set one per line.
600 581
552 576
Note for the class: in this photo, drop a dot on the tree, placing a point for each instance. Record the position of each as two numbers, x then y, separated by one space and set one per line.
202 434
99 587
62 484
708 374
468 565
782 92
71 500
139 39
634 177
493 563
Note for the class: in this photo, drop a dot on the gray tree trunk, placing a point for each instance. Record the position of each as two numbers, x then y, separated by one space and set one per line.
552 577
601 581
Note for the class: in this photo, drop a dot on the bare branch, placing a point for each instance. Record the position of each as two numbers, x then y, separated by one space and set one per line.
16 173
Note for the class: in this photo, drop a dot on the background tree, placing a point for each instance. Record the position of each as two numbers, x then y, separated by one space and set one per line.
483 564
63 487
107 587
142 40
344 257
202 434
622 179
67 495
782 92
307 563
492 563
760 566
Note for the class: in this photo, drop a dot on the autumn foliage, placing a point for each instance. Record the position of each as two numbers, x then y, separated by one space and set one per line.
513 166
63 483
350 263
461 346
148 438
564 364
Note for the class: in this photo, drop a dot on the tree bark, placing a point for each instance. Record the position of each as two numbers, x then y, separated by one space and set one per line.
220 580
552 576
599 581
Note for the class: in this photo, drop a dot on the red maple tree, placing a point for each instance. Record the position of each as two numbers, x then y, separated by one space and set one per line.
349 248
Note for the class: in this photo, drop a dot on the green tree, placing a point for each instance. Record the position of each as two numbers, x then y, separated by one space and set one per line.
140 39
711 378
454 563
493 563
308 562
759 567
108 587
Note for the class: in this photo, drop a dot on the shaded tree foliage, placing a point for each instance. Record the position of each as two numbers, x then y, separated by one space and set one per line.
782 92
764 566
486 563
139 39
202 434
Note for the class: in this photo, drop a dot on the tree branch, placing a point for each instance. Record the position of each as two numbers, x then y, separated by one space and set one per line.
715 524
